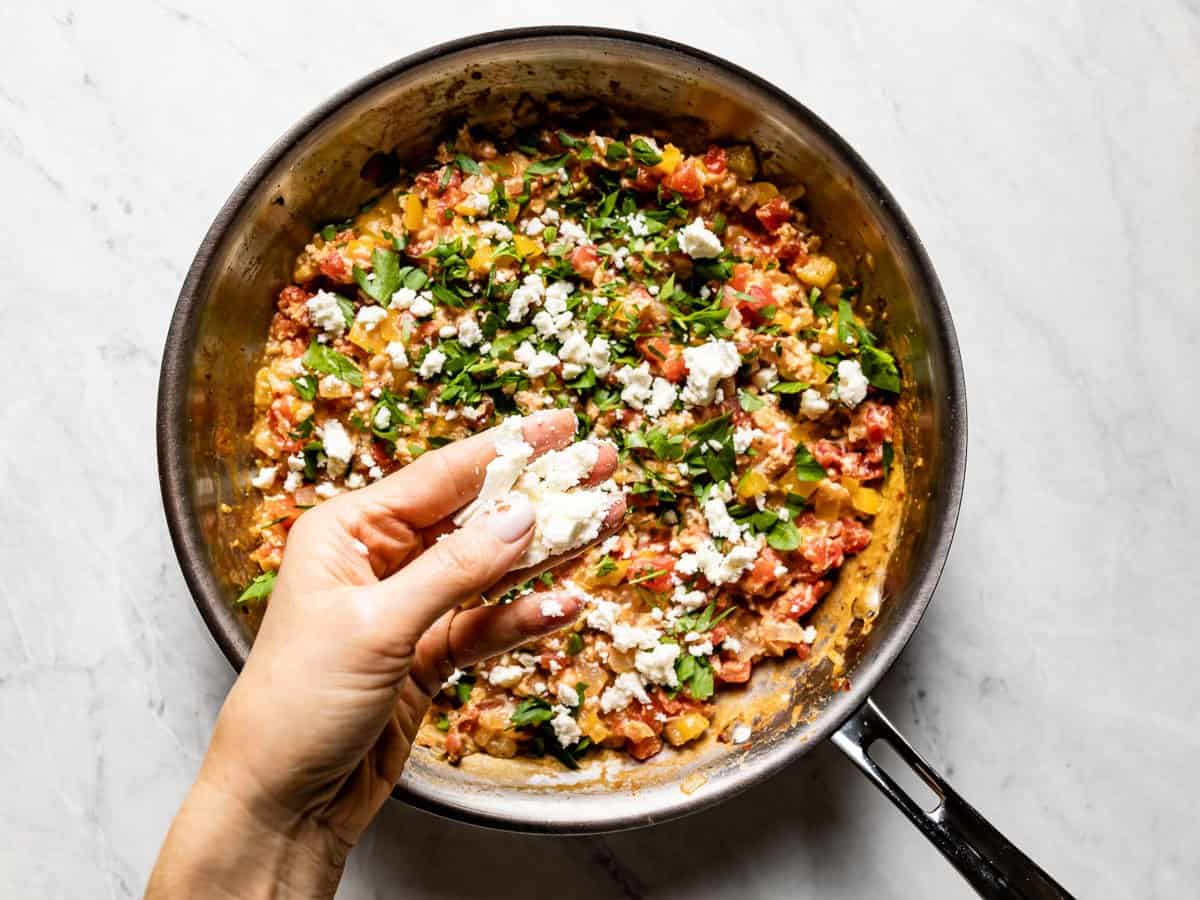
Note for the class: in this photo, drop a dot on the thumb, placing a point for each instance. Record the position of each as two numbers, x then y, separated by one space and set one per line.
458 568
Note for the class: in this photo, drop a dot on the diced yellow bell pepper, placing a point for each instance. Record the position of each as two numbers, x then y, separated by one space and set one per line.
851 484
681 729
764 191
741 162
414 212
376 339
671 157
793 485
608 579
527 246
359 250
481 259
866 500
591 726
263 391
513 212
752 484
817 272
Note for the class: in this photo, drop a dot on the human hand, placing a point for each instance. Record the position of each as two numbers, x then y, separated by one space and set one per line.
363 626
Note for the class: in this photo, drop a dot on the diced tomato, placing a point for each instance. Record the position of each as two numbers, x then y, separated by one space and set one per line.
874 420
431 182
714 159
663 563
751 309
761 580
686 181
799 600
333 266
646 179
665 358
584 260
291 301
732 671
740 277
774 213
855 535
791 251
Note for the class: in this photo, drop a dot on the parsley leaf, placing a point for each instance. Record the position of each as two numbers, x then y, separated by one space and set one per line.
320 358
784 536
258 589
574 643
880 369
306 386
889 454
466 165
531 711
645 153
749 402
790 387
615 151
385 265
546 166
807 467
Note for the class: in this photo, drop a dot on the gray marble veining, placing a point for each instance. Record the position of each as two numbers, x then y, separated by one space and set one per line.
1048 156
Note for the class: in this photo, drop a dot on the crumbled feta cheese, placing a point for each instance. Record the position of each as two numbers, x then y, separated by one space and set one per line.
740 734
658 664
355 480
731 644
619 256
812 404
327 489
506 676
265 477
810 634
603 616
638 227
572 232
293 482
296 462
533 227
403 298
375 473
339 448
383 419
637 385
536 362
627 637
432 363
399 356
421 307
478 203
555 318
720 522
689 600
326 313
369 317
566 693
550 216
766 378
447 331
627 688
662 397
501 474
743 438
701 648
566 729
497 230
717 567
698 242
455 678
707 364
469 332
551 608
574 354
524 298
852 384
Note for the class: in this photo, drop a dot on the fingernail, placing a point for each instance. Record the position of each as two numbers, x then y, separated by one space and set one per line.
510 520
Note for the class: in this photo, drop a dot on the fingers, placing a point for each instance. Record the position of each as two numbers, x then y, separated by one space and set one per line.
457 568
606 464
612 522
436 484
466 637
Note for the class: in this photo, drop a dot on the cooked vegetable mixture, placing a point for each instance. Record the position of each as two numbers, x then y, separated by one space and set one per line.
686 313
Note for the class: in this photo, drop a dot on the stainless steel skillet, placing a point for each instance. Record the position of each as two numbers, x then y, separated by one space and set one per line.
331 161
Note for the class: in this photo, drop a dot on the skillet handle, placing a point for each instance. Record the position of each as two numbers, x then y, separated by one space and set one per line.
986 858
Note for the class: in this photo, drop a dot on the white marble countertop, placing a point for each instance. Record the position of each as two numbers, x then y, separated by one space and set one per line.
1049 160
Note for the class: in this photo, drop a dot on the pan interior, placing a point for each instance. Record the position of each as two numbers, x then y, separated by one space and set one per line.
315 175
